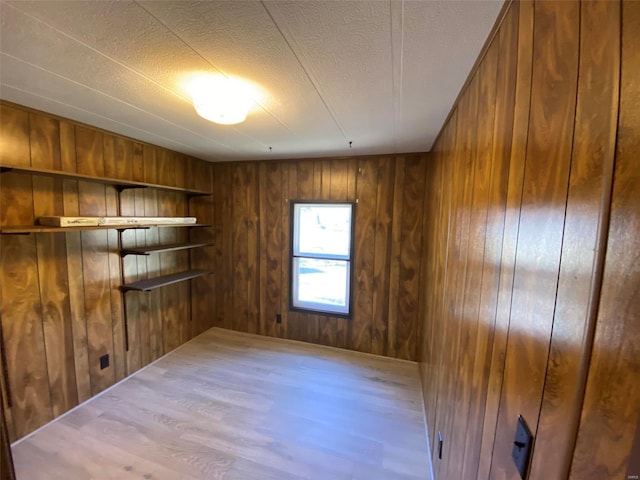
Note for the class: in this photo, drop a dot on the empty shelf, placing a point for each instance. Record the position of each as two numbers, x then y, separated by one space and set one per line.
120 184
162 248
162 281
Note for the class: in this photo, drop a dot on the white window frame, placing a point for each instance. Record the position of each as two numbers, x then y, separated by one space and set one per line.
297 305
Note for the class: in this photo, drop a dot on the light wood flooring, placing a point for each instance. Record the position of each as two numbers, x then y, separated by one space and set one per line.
229 405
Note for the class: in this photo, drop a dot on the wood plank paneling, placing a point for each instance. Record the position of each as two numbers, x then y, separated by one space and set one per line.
611 408
482 152
172 328
240 260
500 153
410 253
23 335
306 326
394 260
518 339
116 155
74 265
379 183
366 185
271 238
52 267
382 245
152 237
462 184
60 302
21 310
283 330
14 147
7 472
523 17
584 236
199 176
549 144
253 247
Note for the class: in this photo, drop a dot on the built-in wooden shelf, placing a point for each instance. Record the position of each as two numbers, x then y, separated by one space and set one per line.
117 183
162 248
162 281
26 229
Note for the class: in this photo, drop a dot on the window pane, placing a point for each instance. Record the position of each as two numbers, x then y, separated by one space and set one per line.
321 285
322 230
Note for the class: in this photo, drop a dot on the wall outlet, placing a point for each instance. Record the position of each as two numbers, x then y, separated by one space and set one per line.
104 361
278 318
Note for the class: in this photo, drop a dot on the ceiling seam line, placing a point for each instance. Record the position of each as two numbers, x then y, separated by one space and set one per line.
131 69
99 92
393 78
397 68
213 65
95 50
97 115
304 69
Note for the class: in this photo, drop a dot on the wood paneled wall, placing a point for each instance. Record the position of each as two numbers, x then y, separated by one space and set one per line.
7 471
252 248
518 247
60 304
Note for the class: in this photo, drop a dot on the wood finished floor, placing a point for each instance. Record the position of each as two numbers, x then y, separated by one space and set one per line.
229 405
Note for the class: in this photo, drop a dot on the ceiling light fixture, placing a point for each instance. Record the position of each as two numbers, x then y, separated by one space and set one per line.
220 99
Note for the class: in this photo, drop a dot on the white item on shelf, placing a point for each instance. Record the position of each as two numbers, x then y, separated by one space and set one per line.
147 220
55 221
69 221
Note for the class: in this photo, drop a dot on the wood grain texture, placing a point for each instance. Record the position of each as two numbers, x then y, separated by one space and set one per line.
253 247
518 339
7 471
364 255
523 17
240 248
410 254
394 256
306 326
152 237
611 409
111 160
584 239
23 335
540 235
199 175
14 147
61 306
74 266
233 405
457 260
44 139
438 203
382 245
494 235
482 151
21 310
273 185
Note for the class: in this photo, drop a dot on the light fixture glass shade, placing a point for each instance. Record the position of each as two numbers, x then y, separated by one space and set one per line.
222 101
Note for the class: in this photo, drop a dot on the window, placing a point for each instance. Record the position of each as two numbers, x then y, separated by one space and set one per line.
321 257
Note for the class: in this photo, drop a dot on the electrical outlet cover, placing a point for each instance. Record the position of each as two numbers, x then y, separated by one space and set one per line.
522 447
104 361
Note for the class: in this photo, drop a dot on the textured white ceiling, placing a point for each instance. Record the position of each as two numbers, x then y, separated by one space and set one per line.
381 74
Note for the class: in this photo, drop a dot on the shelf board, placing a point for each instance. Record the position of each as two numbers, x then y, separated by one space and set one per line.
26 229
162 281
162 248
119 184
